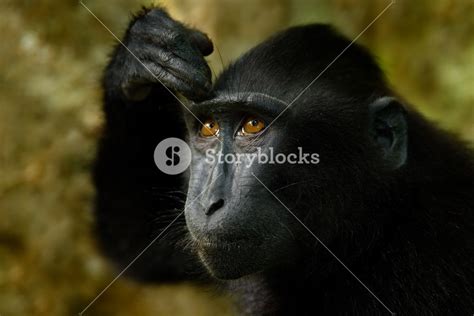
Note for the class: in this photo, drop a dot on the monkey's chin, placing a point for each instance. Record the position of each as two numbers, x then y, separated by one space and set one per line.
228 261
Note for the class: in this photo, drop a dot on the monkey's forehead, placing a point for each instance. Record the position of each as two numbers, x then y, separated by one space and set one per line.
222 98
247 101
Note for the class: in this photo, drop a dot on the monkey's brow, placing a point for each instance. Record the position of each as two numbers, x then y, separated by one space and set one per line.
254 101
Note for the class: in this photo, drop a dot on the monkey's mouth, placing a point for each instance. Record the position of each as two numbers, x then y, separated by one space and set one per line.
225 243
230 258
229 248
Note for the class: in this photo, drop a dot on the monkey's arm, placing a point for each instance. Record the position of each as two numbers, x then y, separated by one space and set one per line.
135 200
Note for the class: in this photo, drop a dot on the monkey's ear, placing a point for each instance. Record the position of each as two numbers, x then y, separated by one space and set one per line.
388 126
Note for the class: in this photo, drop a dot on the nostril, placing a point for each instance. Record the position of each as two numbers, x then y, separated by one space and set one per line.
215 206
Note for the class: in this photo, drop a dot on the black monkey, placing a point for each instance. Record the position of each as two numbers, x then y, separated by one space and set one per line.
392 196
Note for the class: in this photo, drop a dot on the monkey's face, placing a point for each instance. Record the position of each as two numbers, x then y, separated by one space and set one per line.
243 199
238 227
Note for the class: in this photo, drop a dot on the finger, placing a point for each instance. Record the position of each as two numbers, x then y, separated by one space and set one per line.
195 71
202 42
176 82
185 63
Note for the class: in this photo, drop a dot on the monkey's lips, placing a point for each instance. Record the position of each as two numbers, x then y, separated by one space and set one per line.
230 258
227 243
224 243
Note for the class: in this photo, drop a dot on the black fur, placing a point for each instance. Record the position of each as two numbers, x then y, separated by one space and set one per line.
403 224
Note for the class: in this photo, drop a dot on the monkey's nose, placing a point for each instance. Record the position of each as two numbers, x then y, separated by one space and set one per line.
214 207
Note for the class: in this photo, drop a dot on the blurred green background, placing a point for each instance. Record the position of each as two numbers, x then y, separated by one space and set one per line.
52 53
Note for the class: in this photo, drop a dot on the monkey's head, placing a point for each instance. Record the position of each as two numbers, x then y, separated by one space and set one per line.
287 141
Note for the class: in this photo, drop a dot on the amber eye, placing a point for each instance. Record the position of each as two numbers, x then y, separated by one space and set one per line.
252 125
209 128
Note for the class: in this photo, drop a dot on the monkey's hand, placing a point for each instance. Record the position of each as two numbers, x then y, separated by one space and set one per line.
160 51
